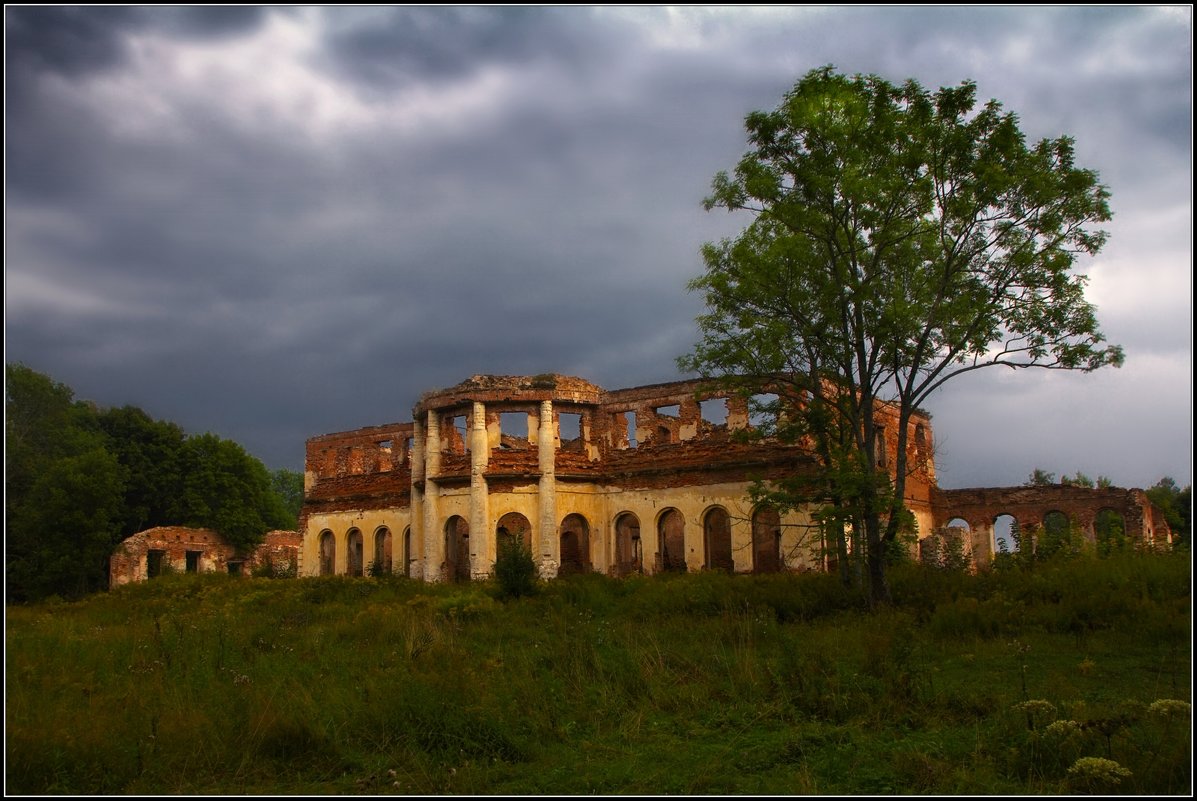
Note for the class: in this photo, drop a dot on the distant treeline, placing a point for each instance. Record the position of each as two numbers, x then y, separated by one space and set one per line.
80 479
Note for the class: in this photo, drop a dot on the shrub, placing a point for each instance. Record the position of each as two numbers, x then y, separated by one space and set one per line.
515 569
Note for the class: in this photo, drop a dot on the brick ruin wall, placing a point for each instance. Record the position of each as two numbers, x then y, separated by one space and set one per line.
652 443
656 443
167 549
1030 506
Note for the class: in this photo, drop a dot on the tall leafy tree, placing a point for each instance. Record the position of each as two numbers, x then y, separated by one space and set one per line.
149 452
226 489
899 239
1177 506
63 490
78 480
287 485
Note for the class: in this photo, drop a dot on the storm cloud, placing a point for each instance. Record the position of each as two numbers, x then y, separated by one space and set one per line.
272 223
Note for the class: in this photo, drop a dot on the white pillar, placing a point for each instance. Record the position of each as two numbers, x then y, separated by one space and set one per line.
482 555
547 497
434 541
418 535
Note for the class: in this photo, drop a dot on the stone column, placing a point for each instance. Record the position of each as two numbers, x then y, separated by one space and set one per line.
482 552
983 546
547 497
418 535
434 541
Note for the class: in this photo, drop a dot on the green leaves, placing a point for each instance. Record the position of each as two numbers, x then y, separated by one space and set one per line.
79 480
900 238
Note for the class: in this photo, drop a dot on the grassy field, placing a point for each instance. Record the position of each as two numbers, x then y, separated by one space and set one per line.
706 683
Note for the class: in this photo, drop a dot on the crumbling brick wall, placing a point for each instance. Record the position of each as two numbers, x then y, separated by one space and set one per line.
182 549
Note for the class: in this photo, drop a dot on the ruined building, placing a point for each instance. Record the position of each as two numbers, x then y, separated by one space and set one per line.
645 479
181 549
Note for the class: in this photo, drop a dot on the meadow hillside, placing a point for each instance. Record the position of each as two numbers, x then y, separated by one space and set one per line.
1071 676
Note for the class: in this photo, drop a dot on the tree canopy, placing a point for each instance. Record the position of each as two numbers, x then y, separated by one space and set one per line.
899 239
80 479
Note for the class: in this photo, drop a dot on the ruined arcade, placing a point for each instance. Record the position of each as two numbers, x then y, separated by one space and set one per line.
644 479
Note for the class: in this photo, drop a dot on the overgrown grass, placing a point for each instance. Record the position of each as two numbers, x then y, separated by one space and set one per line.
708 683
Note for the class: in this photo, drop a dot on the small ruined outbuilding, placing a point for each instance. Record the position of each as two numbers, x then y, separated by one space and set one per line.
180 549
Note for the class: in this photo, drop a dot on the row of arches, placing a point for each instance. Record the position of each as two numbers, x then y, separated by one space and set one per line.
574 535
381 553
1108 529
717 541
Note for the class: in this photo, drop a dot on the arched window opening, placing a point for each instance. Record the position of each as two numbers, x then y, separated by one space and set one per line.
1006 534
328 553
407 556
1110 531
575 546
628 558
671 541
356 553
717 540
382 564
766 540
457 549
514 525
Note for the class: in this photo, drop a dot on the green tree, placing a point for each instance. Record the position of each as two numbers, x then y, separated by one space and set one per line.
149 454
1177 506
63 490
287 486
515 569
900 239
226 489
1079 480
1040 478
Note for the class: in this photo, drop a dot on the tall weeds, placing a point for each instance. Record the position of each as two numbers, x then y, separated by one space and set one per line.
675 684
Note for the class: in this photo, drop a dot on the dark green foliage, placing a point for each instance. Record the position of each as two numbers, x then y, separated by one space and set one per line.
80 479
899 238
63 491
287 485
149 452
515 569
1177 505
226 489
61 531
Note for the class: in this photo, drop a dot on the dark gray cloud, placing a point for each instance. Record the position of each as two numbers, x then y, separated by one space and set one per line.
392 48
275 223
65 39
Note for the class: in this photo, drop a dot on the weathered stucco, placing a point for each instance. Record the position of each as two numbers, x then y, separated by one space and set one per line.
640 479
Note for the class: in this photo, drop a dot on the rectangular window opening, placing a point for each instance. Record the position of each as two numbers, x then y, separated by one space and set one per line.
714 411
513 430
669 411
570 425
763 409
457 437
193 561
630 419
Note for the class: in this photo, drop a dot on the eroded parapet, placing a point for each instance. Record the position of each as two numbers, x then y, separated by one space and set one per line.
595 434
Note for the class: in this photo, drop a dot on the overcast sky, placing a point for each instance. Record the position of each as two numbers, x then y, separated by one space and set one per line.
277 223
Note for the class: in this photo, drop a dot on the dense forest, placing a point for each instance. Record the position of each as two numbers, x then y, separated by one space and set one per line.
80 479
